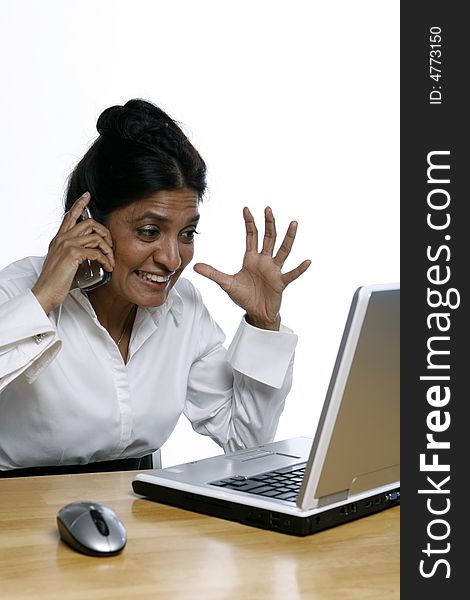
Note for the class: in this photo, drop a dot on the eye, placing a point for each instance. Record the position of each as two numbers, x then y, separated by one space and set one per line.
148 233
188 235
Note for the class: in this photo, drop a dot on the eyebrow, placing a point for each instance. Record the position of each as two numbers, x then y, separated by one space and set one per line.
150 214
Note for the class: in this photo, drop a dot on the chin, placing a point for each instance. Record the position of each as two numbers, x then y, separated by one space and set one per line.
151 301
144 293
150 298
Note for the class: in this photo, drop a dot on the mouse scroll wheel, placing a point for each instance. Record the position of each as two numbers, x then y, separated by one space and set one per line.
99 521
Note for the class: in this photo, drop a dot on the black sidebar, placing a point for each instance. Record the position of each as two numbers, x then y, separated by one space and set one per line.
435 235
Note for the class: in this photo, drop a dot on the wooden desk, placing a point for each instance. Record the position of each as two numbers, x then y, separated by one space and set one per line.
175 554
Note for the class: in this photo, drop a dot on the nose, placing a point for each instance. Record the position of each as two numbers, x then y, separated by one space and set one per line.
168 254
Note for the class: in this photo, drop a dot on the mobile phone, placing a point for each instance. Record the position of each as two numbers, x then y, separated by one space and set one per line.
90 274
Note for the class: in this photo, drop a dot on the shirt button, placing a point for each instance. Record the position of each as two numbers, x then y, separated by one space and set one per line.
40 337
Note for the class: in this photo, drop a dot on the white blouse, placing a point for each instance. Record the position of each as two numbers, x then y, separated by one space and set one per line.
67 397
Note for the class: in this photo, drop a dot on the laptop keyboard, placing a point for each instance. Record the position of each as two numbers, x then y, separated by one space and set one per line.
283 484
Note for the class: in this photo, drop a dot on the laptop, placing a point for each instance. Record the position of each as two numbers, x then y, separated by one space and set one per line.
349 469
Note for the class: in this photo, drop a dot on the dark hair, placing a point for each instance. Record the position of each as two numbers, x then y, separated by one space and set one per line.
140 151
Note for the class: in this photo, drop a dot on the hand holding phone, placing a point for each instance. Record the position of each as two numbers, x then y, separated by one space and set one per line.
90 274
80 255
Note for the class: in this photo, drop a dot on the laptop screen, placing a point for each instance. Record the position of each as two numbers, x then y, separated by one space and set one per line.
357 444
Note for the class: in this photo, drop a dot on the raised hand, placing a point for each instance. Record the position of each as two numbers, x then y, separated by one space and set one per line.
258 286
74 243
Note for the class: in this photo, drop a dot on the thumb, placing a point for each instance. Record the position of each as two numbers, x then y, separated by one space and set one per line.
218 277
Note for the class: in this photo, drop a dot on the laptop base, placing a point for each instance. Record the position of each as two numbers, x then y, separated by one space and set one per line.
264 518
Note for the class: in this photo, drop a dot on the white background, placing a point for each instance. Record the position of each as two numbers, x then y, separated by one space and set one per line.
295 105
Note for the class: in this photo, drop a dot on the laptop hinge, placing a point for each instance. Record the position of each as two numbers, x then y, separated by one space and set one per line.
332 498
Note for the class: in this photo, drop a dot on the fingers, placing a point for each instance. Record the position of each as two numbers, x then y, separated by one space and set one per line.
291 276
71 220
96 241
97 254
220 278
90 226
251 231
61 264
87 247
73 226
286 246
269 232
270 235
71 216
87 234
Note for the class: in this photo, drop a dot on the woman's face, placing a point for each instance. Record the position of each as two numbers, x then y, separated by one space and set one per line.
153 241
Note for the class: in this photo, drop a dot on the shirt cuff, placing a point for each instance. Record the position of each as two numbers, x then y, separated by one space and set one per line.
24 318
28 340
44 360
262 354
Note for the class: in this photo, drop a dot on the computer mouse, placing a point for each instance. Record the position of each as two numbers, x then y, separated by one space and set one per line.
91 528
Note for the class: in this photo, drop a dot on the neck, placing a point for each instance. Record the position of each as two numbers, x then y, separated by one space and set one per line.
115 314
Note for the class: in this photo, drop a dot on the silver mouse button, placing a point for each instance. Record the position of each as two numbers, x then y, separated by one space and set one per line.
91 528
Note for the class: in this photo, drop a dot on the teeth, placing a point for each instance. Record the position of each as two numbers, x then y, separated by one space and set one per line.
153 277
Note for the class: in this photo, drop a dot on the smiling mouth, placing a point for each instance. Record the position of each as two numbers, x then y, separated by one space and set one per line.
153 277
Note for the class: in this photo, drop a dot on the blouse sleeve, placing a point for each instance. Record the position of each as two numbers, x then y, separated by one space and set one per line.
28 340
236 396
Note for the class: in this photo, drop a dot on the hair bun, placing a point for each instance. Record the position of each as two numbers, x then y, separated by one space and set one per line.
140 151
110 121
143 122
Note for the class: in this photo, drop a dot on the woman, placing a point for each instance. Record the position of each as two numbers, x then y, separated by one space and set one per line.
101 377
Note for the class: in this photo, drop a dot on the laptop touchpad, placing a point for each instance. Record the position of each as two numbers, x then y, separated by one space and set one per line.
249 455
255 454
